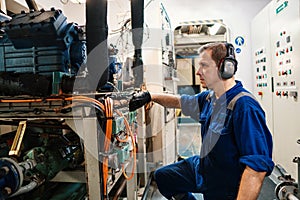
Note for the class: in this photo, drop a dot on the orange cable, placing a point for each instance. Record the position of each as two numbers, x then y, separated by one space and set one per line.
108 133
134 149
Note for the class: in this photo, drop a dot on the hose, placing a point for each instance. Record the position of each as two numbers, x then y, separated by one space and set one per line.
25 188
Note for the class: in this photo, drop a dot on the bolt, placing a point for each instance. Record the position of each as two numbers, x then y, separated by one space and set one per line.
3 171
283 190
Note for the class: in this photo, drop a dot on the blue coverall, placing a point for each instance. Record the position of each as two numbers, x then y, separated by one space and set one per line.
231 139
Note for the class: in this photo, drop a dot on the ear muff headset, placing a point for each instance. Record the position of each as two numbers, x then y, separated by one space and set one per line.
228 65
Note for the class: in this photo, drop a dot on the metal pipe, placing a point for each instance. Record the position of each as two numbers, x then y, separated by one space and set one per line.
137 24
97 49
119 191
25 189
32 5
292 197
148 187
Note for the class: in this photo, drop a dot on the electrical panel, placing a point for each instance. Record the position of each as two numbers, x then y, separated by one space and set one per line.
275 42
262 63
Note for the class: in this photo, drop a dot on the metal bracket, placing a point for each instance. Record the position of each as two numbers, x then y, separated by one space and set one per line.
16 146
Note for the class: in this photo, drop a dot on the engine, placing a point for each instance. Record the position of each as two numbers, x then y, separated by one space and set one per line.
39 50
41 55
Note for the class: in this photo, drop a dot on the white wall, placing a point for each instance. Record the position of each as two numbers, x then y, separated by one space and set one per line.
75 13
236 14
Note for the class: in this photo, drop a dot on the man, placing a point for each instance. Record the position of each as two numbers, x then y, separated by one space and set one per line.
236 151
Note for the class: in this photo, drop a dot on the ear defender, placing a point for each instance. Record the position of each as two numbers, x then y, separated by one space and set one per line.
228 65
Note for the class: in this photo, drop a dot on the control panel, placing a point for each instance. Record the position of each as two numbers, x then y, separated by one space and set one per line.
275 35
285 77
261 75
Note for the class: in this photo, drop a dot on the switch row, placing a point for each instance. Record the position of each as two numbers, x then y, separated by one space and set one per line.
263 68
286 93
261 85
284 72
263 76
285 83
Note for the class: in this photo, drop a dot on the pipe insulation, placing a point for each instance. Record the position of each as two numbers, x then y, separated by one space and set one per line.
97 49
32 5
137 23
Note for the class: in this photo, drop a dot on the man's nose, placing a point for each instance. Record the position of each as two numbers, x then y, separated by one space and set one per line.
199 71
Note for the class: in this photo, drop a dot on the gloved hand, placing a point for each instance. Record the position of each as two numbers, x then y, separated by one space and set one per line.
138 100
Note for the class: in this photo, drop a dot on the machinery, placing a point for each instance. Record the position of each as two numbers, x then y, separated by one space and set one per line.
41 47
41 57
287 187
73 129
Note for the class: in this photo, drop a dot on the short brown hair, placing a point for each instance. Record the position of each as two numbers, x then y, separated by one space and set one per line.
218 51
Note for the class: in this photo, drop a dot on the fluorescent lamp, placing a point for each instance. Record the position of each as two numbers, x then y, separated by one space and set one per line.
213 30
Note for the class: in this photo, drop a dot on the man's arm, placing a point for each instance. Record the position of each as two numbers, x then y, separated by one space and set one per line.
250 184
166 100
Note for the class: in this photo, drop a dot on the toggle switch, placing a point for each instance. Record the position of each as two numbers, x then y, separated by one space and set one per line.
284 72
285 94
293 94
278 93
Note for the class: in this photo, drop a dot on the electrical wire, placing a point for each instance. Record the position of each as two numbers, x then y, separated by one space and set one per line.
86 99
122 140
40 100
108 133
108 109
133 145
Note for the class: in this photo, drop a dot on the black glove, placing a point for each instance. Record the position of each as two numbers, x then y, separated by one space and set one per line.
138 100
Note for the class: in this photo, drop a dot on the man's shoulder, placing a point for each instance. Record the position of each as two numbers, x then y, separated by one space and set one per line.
241 97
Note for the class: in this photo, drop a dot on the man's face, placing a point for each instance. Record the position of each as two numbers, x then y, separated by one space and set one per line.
208 70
